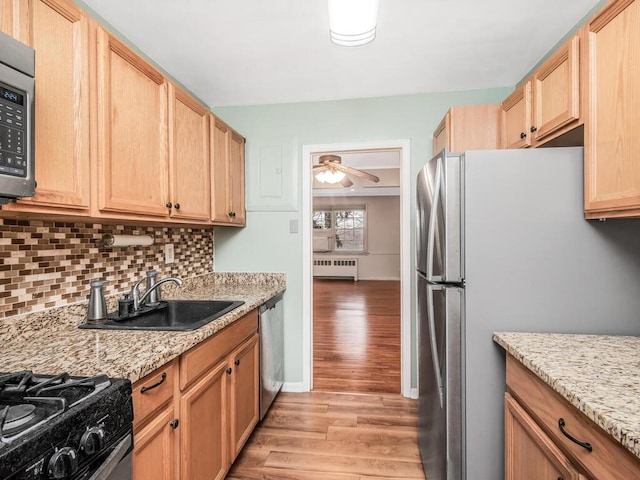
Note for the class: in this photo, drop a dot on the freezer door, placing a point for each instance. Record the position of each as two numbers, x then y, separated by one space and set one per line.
440 401
439 232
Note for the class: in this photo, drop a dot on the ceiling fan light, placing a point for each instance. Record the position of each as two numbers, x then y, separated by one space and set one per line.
353 22
329 176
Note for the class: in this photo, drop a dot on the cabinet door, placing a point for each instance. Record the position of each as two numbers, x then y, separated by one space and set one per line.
203 417
441 135
236 178
612 129
530 454
220 207
14 19
556 91
132 132
189 154
516 112
244 401
155 449
60 36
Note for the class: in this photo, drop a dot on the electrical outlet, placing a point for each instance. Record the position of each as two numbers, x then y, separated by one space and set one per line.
168 253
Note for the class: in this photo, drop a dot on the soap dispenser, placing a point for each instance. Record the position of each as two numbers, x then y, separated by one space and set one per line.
97 309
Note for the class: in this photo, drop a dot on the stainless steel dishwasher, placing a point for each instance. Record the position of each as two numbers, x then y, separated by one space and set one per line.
271 330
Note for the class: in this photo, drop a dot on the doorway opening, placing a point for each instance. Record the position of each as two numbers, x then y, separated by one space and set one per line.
361 341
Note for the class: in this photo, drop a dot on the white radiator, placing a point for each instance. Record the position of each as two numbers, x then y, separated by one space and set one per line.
335 267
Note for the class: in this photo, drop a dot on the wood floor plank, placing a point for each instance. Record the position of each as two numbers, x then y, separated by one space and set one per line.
292 432
372 411
284 474
362 446
352 465
301 407
310 422
356 332
330 398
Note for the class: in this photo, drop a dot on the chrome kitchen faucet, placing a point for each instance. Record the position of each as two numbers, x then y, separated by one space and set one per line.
153 289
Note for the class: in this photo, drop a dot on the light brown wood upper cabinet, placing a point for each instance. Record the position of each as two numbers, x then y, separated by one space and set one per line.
612 129
132 172
516 118
190 180
227 168
556 91
548 104
14 19
468 127
59 32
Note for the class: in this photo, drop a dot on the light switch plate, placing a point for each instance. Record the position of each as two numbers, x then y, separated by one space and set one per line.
168 253
293 225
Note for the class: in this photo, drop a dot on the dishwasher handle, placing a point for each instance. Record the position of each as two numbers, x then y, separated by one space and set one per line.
271 303
111 462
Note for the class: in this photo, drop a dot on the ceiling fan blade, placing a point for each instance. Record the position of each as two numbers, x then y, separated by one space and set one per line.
345 182
319 166
356 172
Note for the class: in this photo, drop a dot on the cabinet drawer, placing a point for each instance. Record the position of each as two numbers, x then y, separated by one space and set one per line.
608 459
152 392
531 454
202 357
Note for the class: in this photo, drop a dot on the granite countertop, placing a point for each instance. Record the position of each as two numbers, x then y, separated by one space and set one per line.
50 342
598 374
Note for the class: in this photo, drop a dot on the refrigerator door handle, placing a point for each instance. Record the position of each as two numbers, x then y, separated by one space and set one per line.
431 236
434 345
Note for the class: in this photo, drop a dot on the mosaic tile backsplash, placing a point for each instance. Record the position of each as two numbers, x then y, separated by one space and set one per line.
46 264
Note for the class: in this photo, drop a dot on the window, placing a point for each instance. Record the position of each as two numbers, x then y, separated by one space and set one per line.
345 225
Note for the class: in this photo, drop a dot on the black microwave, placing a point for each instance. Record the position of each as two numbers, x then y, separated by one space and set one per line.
17 107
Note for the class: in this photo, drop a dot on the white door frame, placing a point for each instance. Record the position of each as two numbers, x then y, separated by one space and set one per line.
405 257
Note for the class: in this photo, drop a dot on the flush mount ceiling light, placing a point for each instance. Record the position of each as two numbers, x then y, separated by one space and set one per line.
353 22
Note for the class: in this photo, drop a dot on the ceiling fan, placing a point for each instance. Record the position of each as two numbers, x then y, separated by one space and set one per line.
331 170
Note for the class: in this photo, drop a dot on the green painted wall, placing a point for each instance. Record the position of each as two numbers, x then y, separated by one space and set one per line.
266 244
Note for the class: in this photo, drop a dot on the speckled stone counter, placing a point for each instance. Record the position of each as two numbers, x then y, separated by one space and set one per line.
50 342
599 375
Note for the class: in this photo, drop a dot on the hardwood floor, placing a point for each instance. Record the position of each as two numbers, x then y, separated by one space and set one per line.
325 436
356 336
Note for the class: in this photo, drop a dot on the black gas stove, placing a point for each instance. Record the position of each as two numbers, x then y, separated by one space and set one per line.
63 427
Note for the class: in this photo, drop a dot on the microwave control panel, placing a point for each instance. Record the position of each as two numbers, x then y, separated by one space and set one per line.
13 132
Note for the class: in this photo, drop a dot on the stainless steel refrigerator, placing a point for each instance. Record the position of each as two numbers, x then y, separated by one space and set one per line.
502 245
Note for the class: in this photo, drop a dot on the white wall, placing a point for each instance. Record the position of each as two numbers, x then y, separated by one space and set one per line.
382 259
275 135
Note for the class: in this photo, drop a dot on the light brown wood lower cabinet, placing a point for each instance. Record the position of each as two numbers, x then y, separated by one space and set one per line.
155 452
244 394
533 432
208 404
530 453
203 441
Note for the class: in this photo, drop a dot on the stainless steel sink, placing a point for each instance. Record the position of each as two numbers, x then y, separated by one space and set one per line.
171 315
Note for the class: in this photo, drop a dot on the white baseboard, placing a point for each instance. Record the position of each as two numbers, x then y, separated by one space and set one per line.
293 387
414 393
379 278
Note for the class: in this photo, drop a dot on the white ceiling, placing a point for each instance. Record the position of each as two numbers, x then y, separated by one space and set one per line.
248 52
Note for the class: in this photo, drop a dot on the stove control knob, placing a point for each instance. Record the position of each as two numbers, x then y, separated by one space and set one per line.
92 441
63 463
